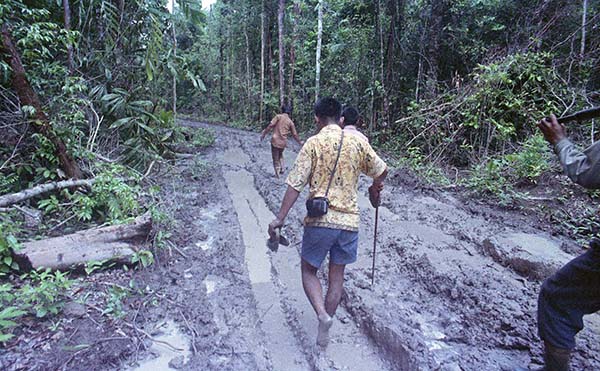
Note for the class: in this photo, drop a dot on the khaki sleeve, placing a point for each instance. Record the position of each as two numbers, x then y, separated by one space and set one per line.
300 173
372 165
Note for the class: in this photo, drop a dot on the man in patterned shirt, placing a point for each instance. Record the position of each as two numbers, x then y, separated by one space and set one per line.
336 232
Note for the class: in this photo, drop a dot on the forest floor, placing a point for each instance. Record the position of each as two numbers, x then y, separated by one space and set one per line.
455 288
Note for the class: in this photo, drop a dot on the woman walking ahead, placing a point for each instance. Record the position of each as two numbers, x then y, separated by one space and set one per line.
282 126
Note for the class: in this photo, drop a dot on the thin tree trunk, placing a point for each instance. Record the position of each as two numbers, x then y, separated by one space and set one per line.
297 14
384 103
248 87
28 97
438 9
280 18
271 67
174 75
419 73
262 60
373 115
231 73
221 65
318 56
67 18
583 27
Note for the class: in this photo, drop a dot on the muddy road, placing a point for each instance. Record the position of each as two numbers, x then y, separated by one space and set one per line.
455 288
456 285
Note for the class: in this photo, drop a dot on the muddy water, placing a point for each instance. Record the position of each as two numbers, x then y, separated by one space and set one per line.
170 349
254 217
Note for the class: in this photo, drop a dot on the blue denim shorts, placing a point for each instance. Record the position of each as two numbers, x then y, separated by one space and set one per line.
340 244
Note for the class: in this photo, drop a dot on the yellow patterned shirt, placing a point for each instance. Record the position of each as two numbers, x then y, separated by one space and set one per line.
314 164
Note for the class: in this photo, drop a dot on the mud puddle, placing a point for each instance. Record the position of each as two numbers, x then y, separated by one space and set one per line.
170 349
254 216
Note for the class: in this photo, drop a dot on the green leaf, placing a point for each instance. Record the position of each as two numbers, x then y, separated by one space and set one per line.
5 337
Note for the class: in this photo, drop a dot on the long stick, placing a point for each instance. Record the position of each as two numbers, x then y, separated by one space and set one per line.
374 246
581 115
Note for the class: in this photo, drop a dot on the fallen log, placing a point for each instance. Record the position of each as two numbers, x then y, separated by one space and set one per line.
14 198
115 243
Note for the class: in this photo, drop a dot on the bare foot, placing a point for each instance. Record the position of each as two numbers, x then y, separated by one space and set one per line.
325 322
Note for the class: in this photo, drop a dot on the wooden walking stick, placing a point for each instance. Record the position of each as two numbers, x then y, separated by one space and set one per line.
374 246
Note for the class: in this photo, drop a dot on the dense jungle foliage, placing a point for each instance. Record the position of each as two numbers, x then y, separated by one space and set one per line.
453 89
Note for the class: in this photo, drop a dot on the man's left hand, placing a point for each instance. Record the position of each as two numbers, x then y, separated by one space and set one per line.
375 194
553 131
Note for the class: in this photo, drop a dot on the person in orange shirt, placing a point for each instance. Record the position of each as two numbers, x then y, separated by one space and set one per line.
282 126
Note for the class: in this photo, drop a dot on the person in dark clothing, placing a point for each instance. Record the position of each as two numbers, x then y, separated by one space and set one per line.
574 290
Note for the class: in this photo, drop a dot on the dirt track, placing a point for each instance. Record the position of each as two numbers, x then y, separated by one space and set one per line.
449 294
456 285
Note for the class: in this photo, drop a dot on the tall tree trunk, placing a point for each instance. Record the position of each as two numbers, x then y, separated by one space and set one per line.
270 49
28 97
174 75
262 60
384 98
67 19
248 79
296 14
583 28
280 18
221 65
319 45
438 9
230 61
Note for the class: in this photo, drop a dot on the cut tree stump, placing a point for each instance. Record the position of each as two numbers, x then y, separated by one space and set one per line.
115 243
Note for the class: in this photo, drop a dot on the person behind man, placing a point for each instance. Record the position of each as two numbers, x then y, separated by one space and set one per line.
574 290
350 117
336 232
282 126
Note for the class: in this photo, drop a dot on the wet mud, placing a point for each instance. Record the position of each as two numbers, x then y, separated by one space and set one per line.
455 287
455 284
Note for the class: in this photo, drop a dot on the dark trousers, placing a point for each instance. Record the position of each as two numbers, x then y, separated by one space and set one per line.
566 297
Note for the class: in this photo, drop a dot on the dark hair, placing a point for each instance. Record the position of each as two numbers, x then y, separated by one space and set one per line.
350 115
328 108
286 108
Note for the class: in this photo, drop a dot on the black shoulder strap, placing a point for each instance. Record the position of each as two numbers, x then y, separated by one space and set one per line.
336 163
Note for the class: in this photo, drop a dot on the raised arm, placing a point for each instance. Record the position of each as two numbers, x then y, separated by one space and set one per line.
582 168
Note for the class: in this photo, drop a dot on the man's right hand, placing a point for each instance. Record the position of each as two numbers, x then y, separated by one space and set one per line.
275 224
552 130
375 194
